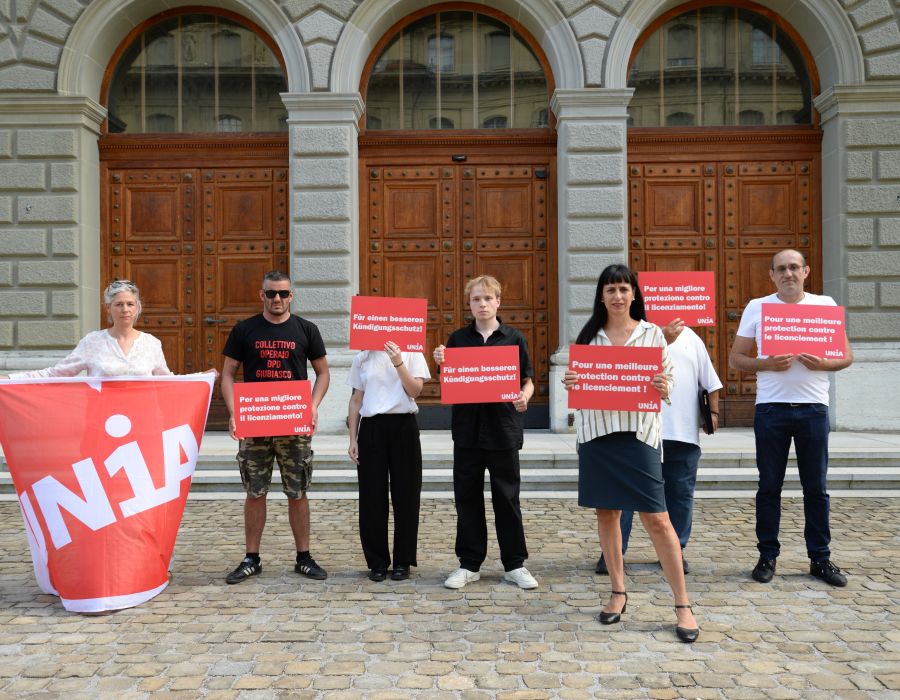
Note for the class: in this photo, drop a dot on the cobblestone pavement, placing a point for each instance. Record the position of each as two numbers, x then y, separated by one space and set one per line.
279 635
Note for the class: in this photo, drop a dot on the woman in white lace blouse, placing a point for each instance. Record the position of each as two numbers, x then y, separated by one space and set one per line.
118 351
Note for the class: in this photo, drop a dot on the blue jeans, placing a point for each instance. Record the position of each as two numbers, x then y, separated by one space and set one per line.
679 469
775 425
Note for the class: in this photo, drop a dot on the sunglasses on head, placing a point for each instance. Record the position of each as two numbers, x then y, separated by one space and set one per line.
272 293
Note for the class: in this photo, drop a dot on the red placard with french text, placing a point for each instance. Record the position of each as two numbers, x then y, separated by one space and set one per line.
480 375
614 377
267 409
690 296
376 320
791 329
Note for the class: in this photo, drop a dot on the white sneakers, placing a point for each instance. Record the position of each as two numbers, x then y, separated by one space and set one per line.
461 577
521 577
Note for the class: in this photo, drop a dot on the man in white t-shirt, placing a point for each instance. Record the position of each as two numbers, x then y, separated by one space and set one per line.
681 431
791 404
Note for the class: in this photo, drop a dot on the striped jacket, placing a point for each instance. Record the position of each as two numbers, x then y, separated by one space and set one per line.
647 426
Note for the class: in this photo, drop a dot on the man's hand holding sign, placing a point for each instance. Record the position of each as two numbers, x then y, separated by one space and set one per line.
813 335
273 408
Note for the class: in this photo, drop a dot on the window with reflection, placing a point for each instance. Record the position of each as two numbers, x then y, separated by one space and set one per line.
457 70
719 66
197 73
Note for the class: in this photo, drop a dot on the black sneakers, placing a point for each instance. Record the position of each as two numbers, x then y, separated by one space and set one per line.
310 569
247 568
764 570
828 572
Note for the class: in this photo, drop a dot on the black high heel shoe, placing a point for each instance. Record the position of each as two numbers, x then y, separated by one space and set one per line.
611 618
686 634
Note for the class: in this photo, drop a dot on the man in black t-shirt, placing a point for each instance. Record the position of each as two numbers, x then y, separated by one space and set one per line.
275 346
488 435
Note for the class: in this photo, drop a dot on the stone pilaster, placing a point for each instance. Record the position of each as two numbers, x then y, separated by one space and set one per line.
49 226
861 245
325 228
591 143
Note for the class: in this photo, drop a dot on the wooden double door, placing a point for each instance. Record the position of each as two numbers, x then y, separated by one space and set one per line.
434 215
726 202
196 226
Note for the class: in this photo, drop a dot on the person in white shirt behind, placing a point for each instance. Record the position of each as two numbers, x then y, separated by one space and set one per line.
384 444
693 371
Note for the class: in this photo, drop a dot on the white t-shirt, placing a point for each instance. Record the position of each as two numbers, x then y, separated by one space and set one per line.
798 384
693 369
372 373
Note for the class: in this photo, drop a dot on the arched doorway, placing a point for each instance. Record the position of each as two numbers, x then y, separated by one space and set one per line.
457 178
194 185
723 160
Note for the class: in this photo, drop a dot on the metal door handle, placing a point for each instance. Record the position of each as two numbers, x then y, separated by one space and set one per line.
212 321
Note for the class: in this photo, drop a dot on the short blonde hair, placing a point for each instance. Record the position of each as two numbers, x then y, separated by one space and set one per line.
489 283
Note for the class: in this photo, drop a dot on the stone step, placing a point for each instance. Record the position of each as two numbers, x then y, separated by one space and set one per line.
858 462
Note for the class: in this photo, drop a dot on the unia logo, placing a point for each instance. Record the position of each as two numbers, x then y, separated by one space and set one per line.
94 508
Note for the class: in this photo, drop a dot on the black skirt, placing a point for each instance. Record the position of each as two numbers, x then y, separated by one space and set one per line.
619 472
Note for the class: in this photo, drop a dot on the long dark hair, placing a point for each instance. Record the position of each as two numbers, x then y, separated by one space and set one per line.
613 274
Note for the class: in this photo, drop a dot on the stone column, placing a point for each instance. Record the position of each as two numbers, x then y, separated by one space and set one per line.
591 144
861 245
325 228
49 226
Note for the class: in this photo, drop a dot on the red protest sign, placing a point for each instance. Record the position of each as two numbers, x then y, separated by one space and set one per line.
480 375
690 296
376 320
103 491
791 329
267 409
614 377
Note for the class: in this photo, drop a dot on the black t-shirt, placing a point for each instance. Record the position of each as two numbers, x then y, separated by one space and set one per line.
490 426
274 352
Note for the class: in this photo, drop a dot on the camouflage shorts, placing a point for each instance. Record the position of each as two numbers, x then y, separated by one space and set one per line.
256 457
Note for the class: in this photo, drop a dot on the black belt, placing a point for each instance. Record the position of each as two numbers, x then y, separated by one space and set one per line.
788 405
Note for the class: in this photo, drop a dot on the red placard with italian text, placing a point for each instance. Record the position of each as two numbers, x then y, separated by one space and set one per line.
615 378
791 329
690 296
376 320
267 409
480 375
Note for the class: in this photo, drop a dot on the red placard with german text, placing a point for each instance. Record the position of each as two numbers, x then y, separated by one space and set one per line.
376 320
267 409
480 375
690 296
791 329
614 377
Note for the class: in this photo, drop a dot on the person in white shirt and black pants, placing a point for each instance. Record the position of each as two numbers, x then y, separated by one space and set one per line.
384 443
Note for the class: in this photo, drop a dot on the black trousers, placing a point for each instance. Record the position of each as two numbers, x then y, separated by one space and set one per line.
468 489
390 458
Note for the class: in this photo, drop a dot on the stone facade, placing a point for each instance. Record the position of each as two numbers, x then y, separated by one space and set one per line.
52 59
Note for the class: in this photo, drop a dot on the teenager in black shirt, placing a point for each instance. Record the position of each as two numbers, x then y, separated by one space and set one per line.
488 435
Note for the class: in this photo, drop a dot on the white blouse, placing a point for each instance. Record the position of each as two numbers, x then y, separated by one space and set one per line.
383 392
647 425
99 355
